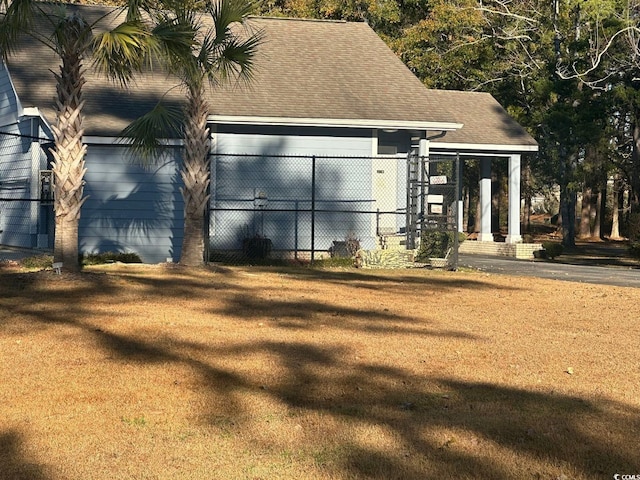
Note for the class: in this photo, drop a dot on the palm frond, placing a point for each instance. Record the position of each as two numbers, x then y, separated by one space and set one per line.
208 52
175 38
236 59
16 18
134 10
225 13
145 134
120 52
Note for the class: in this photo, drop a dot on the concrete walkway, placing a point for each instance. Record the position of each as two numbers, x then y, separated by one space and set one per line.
620 276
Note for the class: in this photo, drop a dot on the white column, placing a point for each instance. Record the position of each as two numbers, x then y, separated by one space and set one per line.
423 151
423 148
485 234
459 194
513 235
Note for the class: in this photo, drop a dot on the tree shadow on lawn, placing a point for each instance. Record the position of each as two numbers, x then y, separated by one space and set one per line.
446 428
442 427
388 280
242 302
385 279
313 315
185 283
13 463
429 416
589 438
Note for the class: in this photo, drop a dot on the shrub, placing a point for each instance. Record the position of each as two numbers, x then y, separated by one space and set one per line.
37 262
634 250
109 257
347 248
257 247
352 243
435 244
552 249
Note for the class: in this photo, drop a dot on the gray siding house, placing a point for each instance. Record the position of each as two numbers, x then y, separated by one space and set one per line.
325 91
21 159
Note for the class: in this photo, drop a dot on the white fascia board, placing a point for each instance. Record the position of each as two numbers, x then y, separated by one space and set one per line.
484 147
15 92
334 122
119 141
30 112
35 112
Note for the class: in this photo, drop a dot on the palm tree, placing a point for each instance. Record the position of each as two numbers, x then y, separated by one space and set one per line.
117 52
222 52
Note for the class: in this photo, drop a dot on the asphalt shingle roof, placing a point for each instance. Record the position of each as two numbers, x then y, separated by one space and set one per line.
324 69
485 120
304 69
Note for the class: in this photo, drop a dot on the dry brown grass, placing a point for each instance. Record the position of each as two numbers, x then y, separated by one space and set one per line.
134 372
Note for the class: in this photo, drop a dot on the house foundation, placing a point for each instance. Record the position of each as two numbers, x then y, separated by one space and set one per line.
523 251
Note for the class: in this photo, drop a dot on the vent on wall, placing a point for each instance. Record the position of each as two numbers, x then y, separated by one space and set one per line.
387 149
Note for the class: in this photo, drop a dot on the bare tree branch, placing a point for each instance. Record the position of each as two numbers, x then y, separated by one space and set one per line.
507 13
598 59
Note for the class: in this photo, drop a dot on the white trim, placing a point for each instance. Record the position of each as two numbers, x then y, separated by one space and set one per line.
513 216
36 154
374 142
15 92
334 122
31 112
485 234
485 147
470 153
123 142
213 138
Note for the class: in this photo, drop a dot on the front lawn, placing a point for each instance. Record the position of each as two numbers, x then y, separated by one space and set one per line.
152 372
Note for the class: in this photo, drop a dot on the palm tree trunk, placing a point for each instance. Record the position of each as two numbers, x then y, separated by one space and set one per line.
68 165
196 177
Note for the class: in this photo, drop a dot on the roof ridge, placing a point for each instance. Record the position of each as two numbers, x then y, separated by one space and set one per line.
451 90
297 19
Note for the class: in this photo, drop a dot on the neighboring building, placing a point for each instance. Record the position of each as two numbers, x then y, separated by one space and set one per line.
327 89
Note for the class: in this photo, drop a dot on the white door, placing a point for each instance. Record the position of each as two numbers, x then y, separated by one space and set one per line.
385 182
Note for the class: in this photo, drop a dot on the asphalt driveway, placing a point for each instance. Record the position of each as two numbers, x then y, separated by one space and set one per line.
622 276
